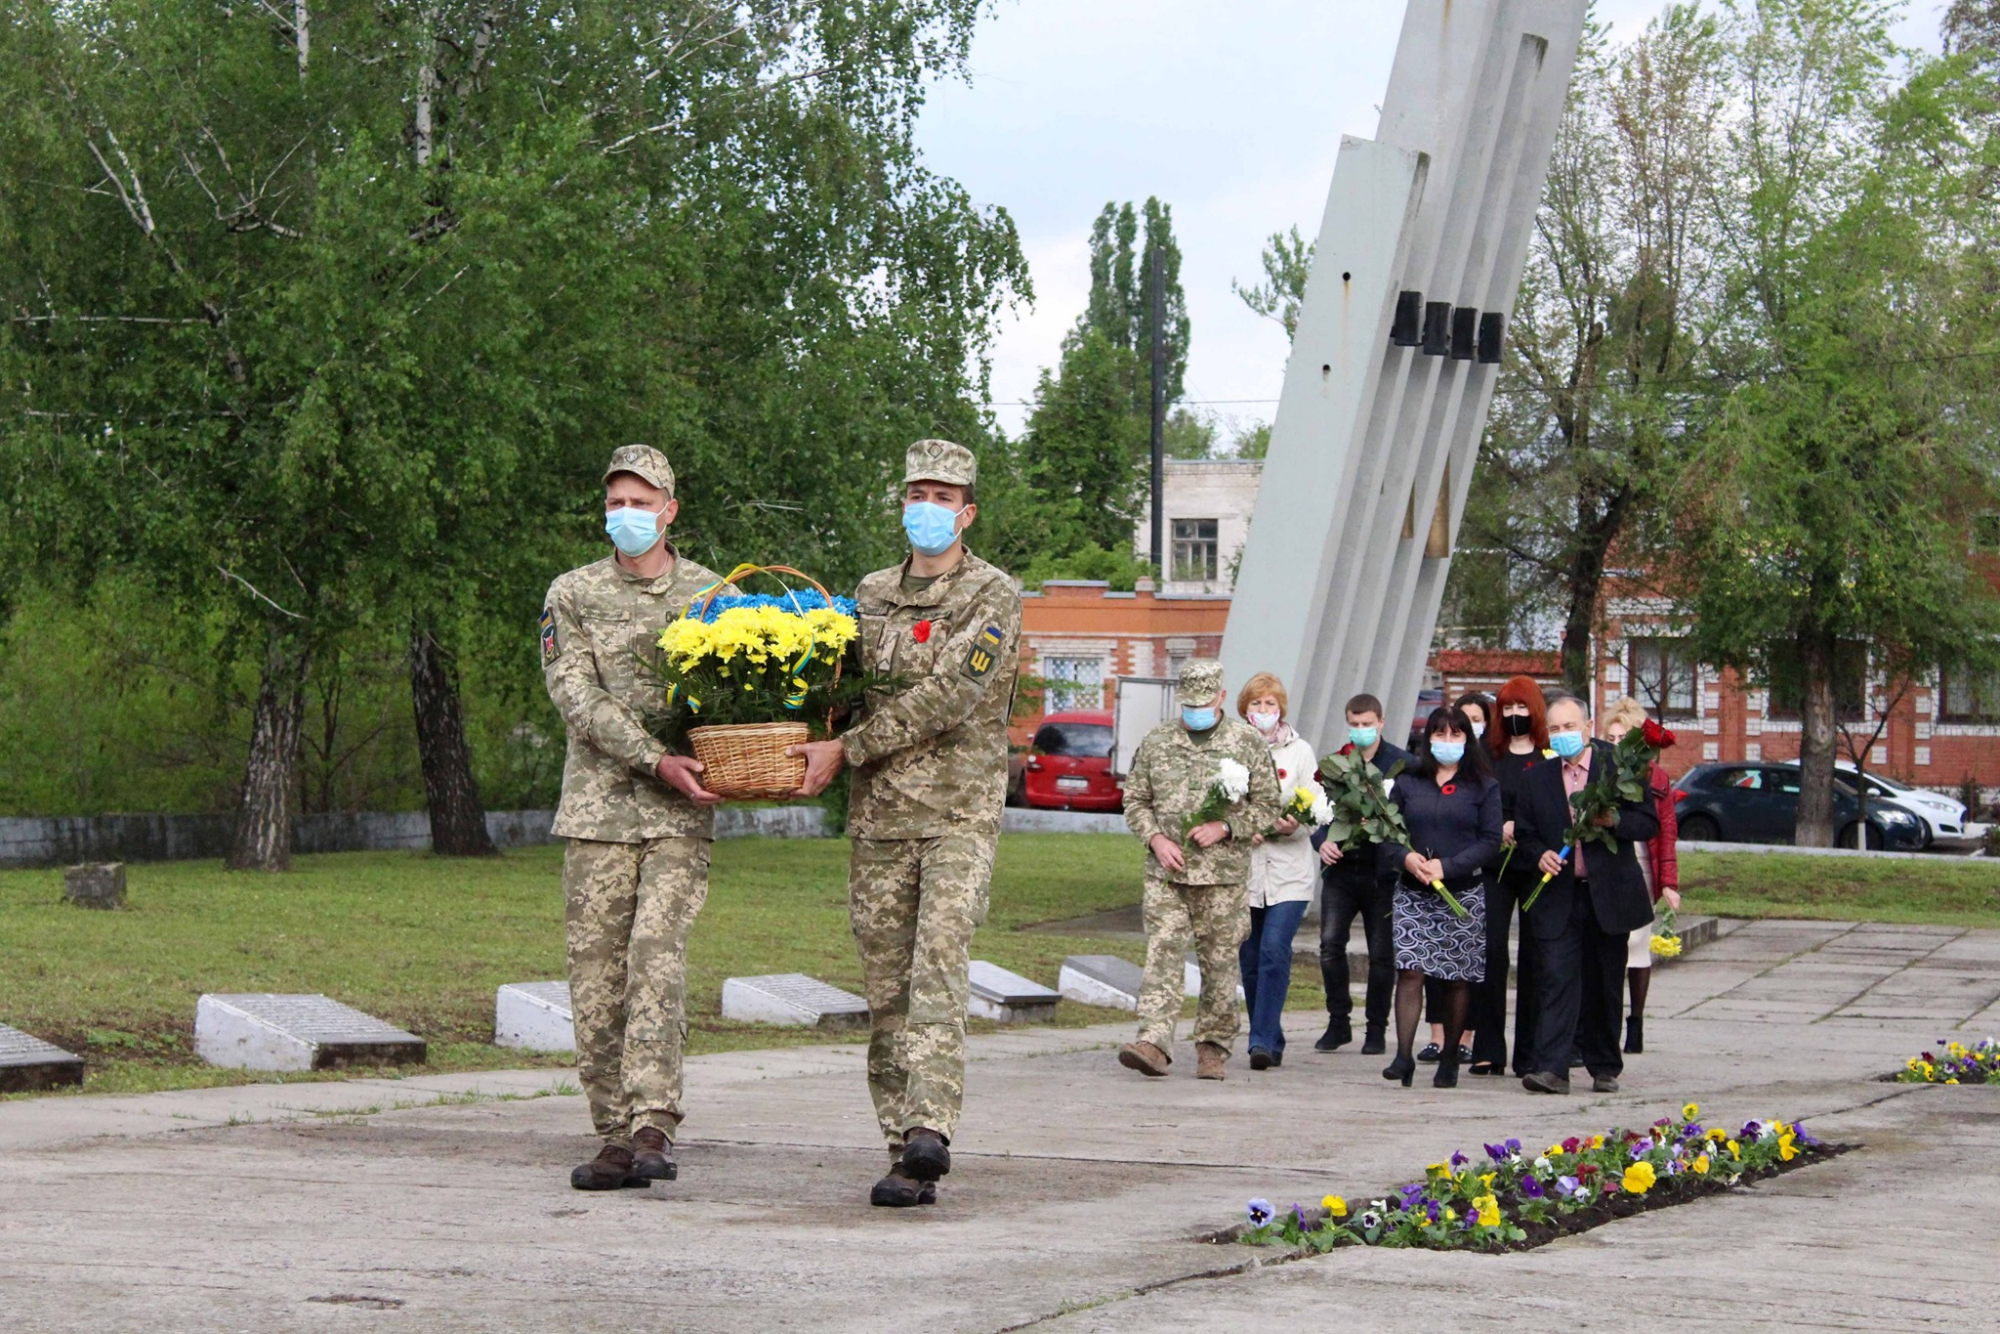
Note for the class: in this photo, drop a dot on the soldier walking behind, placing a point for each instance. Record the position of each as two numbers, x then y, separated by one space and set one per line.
638 824
929 755
1199 888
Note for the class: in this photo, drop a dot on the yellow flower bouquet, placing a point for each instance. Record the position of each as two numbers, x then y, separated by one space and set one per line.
748 675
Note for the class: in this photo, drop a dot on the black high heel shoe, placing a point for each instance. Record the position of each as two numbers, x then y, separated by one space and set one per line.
1446 1076
1402 1068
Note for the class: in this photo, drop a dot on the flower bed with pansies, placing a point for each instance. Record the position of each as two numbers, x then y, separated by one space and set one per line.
1960 1064
1512 1197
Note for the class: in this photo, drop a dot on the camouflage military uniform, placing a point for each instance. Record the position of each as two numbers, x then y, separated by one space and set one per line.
929 766
1206 899
636 868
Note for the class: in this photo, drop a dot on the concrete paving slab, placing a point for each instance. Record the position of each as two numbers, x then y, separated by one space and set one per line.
1077 1200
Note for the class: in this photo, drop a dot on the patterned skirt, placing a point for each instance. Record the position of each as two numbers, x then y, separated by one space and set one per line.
1434 940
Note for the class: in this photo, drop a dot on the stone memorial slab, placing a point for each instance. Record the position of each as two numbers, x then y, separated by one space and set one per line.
1191 978
1008 997
534 1016
792 999
1101 979
28 1064
95 885
261 1031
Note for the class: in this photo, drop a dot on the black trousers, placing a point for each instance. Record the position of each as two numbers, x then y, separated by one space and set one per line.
1488 1015
1344 895
1583 993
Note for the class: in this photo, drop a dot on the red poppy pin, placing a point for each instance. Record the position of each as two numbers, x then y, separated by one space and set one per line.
1282 775
1449 788
921 632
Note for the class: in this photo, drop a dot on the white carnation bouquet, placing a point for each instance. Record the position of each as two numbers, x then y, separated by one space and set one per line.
1229 786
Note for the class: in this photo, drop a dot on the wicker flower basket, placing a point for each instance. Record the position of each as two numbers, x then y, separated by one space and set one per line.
747 761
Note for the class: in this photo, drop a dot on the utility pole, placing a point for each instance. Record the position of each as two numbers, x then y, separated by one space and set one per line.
1156 282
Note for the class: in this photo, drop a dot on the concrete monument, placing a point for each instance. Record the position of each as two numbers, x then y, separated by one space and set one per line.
1419 254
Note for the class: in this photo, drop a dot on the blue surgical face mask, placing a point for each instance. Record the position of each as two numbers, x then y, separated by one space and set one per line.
1198 720
1447 752
1362 737
1569 745
931 527
633 531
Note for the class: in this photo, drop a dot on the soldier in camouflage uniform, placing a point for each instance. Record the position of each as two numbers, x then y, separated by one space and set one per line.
929 755
1195 884
638 825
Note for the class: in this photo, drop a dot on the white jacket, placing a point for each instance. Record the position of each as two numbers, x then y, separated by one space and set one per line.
1284 870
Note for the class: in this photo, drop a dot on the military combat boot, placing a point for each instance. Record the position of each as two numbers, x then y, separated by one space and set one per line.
652 1156
899 1190
925 1158
1145 1058
1208 1059
610 1169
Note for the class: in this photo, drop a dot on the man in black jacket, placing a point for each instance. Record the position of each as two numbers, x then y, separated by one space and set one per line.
1350 886
1596 899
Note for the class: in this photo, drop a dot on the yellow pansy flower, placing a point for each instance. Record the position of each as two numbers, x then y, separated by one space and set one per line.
1787 1150
1700 1165
1691 1111
1718 1135
1488 1209
1335 1206
1735 1151
1639 1178
1451 1215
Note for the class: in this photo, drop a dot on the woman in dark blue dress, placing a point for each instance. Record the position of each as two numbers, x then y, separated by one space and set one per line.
1451 805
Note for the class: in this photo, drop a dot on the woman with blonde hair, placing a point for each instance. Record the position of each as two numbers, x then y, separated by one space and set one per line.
1283 870
1657 864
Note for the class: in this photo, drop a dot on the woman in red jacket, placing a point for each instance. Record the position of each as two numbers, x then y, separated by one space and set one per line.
1656 862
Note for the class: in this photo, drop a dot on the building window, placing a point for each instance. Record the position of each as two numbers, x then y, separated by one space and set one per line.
1968 696
1986 534
1073 683
1195 550
1850 683
1663 677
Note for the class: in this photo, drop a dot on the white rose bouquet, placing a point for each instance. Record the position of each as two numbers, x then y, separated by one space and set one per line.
1229 786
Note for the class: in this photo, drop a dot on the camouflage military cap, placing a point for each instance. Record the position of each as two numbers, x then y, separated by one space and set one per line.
1200 683
645 463
940 461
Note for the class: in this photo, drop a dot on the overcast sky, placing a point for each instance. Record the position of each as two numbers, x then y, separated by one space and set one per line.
1229 110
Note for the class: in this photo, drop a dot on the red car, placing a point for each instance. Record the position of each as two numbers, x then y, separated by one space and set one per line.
1069 764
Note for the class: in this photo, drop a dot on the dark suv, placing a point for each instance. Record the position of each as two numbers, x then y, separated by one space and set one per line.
1759 803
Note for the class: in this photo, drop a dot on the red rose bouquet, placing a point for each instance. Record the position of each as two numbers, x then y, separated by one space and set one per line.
1623 780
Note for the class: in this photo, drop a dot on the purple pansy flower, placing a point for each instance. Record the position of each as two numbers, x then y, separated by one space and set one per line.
1513 1146
1497 1152
1260 1212
1532 1188
1567 1186
1640 1148
1459 1160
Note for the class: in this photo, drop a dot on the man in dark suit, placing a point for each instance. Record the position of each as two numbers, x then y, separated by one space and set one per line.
1351 886
1597 898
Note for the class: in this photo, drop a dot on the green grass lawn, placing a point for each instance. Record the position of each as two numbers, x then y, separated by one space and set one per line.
1873 889
423 941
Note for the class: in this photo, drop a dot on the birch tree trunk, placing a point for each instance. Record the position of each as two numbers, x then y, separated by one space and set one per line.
263 840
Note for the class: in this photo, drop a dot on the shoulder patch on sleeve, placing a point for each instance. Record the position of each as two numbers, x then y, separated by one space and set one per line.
551 646
984 655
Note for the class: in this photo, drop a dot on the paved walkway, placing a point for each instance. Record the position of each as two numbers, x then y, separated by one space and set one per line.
1081 1192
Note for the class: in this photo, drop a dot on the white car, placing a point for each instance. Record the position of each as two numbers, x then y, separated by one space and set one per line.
1943 817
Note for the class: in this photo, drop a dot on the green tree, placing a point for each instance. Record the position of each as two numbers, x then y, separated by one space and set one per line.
1119 308
1617 312
1085 449
1829 505
1190 434
322 313
1287 260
